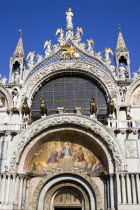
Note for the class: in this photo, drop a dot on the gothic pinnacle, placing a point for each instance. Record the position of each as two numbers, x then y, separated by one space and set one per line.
121 46
19 51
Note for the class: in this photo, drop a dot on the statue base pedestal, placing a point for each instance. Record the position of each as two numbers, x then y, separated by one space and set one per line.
93 116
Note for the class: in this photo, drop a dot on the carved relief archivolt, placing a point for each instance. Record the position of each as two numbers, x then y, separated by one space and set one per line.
79 173
91 70
7 95
55 120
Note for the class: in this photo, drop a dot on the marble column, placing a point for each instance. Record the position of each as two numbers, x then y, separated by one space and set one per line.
20 192
118 188
138 187
24 192
0 187
16 196
8 188
123 188
133 189
111 192
108 192
3 188
27 190
129 196
14 188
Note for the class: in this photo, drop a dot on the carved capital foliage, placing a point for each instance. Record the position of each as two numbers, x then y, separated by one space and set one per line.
7 95
83 122
104 78
79 173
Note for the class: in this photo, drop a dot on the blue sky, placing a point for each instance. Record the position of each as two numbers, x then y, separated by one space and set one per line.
39 20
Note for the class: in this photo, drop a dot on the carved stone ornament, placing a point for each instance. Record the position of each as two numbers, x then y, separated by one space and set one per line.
131 149
50 193
44 73
63 120
131 88
54 173
7 95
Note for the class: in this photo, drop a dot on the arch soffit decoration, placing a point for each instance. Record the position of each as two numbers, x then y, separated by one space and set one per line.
55 120
132 87
83 175
34 82
55 189
7 95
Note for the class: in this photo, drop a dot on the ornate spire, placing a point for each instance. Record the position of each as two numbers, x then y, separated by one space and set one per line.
19 51
120 43
69 26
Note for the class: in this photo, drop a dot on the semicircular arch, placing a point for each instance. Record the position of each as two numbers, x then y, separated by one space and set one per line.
7 95
79 177
131 88
53 121
45 73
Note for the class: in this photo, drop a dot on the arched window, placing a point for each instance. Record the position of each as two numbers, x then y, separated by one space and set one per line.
69 92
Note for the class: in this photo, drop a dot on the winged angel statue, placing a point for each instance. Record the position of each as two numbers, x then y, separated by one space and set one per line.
30 56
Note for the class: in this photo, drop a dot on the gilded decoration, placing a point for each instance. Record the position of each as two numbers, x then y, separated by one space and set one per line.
135 97
54 154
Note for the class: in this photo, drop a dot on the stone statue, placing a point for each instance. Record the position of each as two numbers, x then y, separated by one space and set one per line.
122 90
99 55
31 61
79 31
90 45
48 50
69 16
39 58
122 71
43 107
69 27
107 52
93 106
61 32
111 106
15 97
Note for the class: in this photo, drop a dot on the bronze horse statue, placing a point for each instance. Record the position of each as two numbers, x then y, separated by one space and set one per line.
43 108
25 108
93 107
111 106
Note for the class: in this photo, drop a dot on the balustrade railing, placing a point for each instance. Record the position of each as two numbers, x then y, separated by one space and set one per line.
12 127
123 124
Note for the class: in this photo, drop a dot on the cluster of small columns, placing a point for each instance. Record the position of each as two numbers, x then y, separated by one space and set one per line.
128 188
14 190
109 191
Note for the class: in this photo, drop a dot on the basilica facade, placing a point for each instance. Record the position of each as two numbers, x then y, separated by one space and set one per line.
70 127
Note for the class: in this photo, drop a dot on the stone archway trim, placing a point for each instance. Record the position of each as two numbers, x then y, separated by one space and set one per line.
35 81
70 172
7 95
64 120
52 193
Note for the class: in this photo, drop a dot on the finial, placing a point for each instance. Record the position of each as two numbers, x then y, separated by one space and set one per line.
20 32
119 27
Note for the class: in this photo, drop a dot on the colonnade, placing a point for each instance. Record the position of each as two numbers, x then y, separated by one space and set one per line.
120 189
14 190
